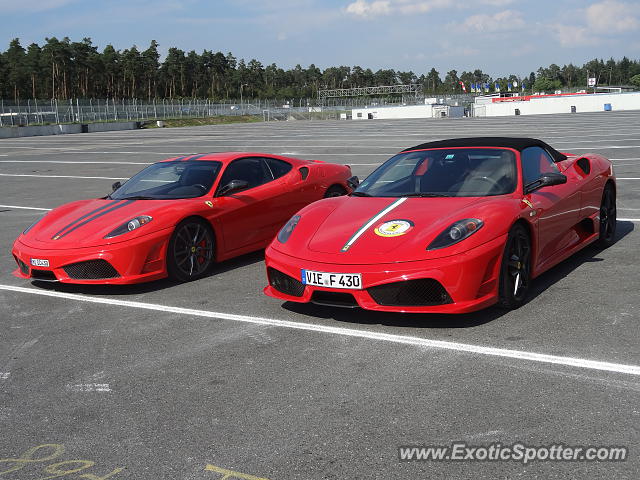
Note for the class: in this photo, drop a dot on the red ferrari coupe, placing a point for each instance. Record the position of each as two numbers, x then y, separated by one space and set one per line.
450 226
175 218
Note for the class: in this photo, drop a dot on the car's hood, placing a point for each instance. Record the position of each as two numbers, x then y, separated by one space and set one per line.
364 230
85 223
354 217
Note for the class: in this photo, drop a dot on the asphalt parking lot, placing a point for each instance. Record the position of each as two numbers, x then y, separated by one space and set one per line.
212 379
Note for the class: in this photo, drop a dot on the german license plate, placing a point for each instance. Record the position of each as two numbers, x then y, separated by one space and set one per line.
332 280
39 262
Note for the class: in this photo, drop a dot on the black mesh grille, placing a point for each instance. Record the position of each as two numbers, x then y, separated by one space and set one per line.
412 293
24 268
284 283
47 275
334 299
91 270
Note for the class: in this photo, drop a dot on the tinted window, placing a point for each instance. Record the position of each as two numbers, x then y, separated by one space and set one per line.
167 180
455 172
535 162
278 167
252 170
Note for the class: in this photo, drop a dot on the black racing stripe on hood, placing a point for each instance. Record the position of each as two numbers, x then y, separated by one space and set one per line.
110 204
126 202
196 157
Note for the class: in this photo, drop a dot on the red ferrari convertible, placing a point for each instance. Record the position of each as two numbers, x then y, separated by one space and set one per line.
450 226
175 218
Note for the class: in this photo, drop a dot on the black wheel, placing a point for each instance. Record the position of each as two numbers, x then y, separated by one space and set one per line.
607 217
190 250
515 271
334 191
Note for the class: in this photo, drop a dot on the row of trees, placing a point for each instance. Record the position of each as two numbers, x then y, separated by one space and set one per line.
64 69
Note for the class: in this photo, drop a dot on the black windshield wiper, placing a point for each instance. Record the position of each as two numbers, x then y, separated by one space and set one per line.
137 197
424 194
360 194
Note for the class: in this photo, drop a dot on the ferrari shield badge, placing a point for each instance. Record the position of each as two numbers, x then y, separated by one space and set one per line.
394 228
209 204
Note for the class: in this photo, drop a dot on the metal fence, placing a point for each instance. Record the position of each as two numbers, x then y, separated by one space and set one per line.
40 112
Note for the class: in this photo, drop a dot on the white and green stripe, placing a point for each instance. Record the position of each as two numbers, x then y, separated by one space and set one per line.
368 225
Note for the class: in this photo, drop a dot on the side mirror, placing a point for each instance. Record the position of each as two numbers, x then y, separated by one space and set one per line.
545 180
116 186
353 182
233 186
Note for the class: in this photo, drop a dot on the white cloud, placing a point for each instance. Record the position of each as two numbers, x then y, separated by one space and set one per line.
362 8
501 21
376 8
497 3
574 36
611 16
602 21
408 7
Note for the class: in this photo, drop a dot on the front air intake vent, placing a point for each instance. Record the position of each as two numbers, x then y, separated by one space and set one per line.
24 268
91 270
44 275
410 293
334 299
284 283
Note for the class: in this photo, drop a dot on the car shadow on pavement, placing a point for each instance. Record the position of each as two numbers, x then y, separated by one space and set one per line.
466 320
140 288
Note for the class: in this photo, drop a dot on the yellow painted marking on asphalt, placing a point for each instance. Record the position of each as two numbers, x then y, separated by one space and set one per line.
27 457
231 474
56 470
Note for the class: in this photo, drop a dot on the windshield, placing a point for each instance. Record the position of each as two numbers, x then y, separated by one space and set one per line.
452 172
169 180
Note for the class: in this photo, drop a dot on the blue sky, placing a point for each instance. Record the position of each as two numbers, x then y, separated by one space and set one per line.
499 36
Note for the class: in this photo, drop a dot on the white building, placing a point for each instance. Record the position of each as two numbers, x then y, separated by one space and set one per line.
492 106
407 111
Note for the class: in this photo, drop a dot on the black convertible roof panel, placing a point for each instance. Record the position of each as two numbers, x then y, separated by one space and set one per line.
517 143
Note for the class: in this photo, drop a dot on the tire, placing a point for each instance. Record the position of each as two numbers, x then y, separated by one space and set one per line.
515 269
334 191
607 217
190 251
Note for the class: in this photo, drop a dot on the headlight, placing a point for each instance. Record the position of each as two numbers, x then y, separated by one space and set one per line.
132 224
456 233
286 231
26 230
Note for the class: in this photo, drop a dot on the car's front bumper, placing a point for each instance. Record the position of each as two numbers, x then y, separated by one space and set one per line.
141 259
470 280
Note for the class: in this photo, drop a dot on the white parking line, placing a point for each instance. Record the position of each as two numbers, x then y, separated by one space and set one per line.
57 176
348 332
89 387
25 208
597 147
627 178
337 154
62 161
628 219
